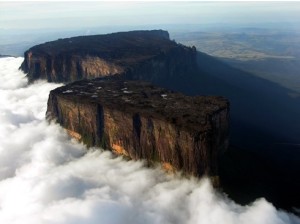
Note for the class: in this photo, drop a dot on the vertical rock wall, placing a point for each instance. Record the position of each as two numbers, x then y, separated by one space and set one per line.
135 55
144 135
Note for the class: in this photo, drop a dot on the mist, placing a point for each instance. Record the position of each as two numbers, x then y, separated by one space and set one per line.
39 14
47 177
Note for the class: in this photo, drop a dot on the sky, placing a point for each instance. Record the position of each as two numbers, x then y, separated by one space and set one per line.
27 23
48 178
55 15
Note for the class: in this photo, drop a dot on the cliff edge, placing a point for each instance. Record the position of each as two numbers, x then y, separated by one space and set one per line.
139 55
141 121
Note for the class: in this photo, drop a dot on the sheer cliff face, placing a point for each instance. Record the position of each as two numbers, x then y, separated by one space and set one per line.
145 55
144 122
133 118
66 68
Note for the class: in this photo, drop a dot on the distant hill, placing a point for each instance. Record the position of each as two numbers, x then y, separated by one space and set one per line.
4 56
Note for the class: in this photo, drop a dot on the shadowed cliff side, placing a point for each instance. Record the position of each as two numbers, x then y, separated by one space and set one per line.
141 121
263 159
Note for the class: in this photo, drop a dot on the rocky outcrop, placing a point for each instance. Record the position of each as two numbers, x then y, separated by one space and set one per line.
141 121
142 55
133 118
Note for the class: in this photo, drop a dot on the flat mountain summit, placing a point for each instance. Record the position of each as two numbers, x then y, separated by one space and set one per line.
141 121
123 53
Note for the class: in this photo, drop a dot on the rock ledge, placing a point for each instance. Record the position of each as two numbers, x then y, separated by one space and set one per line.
141 121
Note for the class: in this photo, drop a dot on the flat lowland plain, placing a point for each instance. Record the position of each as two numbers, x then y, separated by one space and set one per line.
267 53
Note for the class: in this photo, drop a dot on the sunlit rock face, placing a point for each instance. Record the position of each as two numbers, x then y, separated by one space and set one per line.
141 121
142 55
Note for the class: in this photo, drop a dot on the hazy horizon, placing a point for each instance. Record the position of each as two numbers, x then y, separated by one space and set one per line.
58 15
24 24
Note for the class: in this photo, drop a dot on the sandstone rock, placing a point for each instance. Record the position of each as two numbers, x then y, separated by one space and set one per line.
141 121
142 55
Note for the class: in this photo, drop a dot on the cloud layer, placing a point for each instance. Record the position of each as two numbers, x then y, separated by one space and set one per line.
46 177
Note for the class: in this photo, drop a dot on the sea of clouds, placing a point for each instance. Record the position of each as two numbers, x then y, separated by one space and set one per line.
46 177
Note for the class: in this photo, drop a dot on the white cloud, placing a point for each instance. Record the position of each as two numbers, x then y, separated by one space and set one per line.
47 178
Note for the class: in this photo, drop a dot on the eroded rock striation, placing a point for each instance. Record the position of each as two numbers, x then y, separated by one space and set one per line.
138 55
141 121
